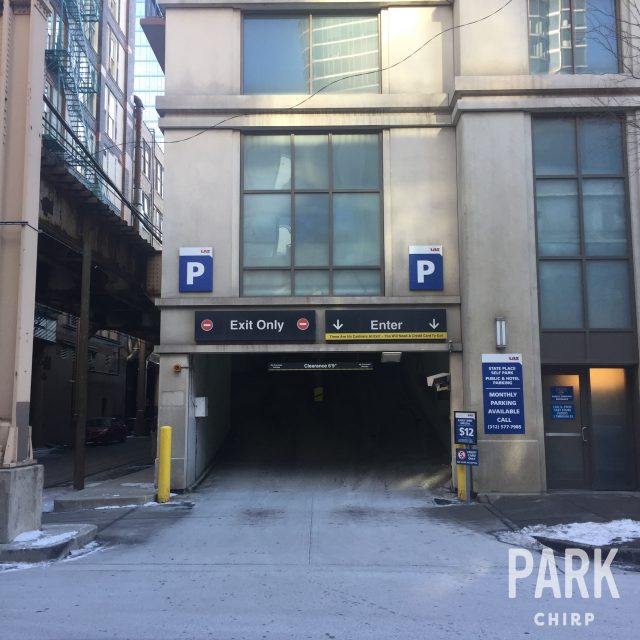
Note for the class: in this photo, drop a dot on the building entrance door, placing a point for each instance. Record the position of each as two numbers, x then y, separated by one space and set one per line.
588 438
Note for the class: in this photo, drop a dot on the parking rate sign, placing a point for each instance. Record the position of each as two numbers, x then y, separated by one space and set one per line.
426 268
196 269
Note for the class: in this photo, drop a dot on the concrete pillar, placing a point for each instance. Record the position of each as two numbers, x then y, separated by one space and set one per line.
456 396
23 29
173 410
497 241
82 356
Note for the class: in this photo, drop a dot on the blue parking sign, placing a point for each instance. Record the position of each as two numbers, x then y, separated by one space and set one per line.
426 268
196 269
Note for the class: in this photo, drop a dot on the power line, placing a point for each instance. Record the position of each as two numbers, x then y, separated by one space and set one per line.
354 75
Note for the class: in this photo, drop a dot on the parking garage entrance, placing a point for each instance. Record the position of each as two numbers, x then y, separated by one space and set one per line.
355 412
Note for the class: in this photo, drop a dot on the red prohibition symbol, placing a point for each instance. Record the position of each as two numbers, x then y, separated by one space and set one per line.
303 324
206 324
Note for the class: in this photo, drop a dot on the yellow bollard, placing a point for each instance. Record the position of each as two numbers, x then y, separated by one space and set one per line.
164 464
461 477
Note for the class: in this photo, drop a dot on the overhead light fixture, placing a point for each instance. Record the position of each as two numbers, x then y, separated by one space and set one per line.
391 356
501 333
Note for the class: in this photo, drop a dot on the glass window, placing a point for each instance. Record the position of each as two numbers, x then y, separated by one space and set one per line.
554 146
267 230
312 230
344 54
312 283
114 121
266 283
305 218
267 162
557 217
583 218
310 53
159 178
608 294
312 162
356 229
605 218
356 162
273 55
560 295
146 158
601 146
573 36
356 283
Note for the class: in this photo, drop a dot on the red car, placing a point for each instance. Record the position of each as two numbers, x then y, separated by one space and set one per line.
103 430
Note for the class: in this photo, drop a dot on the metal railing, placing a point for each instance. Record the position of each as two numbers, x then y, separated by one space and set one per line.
59 138
152 9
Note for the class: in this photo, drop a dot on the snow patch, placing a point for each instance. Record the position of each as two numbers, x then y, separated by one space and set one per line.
597 534
49 540
28 536
146 485
518 539
116 506
37 539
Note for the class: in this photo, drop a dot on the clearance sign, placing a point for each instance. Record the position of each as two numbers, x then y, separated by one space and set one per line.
386 325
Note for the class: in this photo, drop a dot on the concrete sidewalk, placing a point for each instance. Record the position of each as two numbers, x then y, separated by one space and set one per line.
130 490
101 503
520 511
78 516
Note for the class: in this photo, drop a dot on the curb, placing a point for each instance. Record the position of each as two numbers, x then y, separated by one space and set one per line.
624 554
22 552
91 502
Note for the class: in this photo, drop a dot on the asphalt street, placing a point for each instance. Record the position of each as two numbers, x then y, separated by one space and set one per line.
275 553
112 458
326 528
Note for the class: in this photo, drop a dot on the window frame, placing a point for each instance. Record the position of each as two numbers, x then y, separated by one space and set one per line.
146 159
310 14
330 192
111 111
159 178
583 258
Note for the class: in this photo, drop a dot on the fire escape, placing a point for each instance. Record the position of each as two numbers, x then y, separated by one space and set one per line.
70 63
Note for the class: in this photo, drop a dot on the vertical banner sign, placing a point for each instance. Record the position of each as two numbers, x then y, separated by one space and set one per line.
503 393
426 268
196 269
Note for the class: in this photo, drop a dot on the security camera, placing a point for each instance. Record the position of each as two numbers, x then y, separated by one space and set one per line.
439 381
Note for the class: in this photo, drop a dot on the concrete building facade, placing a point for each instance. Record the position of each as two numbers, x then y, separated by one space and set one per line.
420 181
73 238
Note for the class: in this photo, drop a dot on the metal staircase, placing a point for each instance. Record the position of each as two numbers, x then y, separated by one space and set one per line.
69 61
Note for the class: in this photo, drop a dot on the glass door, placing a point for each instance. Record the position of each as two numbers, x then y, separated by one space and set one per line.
608 435
588 438
564 431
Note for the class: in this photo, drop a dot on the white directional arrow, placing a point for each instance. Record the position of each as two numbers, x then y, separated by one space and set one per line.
433 324
337 325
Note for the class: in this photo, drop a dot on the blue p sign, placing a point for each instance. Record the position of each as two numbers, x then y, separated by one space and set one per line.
196 269
426 270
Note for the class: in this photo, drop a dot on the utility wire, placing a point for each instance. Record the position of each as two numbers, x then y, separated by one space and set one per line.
354 75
